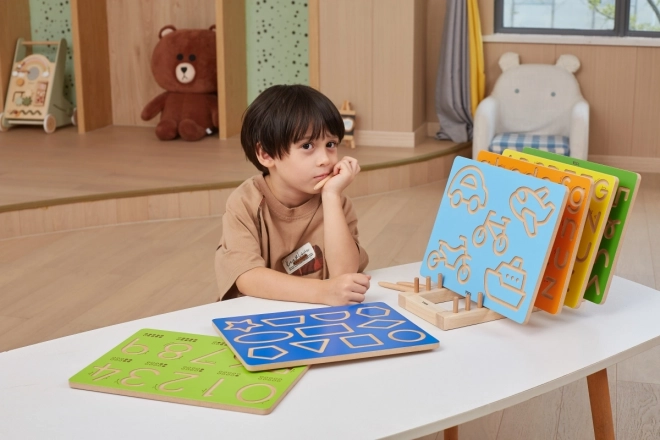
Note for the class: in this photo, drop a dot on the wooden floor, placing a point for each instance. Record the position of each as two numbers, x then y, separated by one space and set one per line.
35 167
57 284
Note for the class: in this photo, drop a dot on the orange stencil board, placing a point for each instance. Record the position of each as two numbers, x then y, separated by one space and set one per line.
558 271
604 189
617 224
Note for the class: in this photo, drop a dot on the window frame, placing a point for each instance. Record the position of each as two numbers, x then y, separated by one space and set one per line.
621 23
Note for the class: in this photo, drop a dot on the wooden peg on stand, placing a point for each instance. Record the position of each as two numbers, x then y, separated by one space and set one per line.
426 302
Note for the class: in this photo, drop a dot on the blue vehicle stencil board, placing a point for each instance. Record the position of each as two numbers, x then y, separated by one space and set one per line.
493 234
314 336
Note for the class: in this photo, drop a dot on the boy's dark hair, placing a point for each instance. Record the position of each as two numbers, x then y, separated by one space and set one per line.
281 115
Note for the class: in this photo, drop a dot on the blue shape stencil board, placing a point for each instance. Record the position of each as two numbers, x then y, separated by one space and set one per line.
493 233
314 336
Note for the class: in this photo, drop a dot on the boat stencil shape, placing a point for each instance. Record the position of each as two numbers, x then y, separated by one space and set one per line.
531 209
506 284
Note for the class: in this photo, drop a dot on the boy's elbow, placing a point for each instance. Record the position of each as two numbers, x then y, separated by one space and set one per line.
246 281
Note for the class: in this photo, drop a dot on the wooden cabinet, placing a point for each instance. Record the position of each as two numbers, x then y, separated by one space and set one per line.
112 45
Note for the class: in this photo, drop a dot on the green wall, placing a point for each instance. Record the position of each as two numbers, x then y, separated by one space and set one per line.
51 20
277 44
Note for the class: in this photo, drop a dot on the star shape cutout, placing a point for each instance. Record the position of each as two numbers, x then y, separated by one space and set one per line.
245 326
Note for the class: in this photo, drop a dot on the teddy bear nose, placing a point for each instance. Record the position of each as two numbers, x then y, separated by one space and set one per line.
184 69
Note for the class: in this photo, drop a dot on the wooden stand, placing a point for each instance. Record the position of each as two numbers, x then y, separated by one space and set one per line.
423 303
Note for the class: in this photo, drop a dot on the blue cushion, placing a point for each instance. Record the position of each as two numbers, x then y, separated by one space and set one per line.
517 141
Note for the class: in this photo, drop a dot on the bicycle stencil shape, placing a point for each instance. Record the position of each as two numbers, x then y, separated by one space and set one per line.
500 240
483 242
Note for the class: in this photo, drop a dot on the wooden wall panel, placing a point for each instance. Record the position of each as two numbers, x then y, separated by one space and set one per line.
91 62
133 34
608 86
435 21
486 14
314 43
646 125
393 65
14 23
232 65
419 65
346 55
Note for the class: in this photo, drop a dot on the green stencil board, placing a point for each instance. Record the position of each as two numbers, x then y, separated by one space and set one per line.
608 251
185 368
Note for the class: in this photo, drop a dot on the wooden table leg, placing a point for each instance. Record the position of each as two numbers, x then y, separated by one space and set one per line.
601 408
451 433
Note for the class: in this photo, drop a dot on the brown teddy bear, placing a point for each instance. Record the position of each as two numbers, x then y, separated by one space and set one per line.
184 64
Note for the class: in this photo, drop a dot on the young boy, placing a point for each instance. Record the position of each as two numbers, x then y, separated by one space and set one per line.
283 238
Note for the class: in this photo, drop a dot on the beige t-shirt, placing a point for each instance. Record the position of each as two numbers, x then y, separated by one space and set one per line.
259 231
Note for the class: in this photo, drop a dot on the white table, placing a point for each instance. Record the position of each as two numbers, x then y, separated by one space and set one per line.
476 371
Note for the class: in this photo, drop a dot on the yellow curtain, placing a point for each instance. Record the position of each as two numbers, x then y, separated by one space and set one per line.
476 48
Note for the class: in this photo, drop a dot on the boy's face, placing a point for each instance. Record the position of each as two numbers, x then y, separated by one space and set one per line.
294 176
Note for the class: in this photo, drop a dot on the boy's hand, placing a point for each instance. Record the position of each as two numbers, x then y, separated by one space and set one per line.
344 172
345 289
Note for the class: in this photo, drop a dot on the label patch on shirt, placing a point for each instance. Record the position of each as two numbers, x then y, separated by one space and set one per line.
298 258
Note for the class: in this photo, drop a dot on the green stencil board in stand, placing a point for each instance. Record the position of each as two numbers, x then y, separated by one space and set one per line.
185 368
610 245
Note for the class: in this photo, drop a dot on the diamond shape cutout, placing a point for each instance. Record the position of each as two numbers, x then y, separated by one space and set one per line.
381 323
361 341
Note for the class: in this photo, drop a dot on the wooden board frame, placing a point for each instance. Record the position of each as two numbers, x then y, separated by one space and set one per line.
321 335
185 368
425 305
493 233
557 275
603 269
603 195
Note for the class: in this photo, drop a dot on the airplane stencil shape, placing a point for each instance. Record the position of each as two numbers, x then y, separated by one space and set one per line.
531 209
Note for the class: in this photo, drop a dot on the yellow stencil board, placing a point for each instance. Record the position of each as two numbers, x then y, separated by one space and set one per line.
557 275
604 190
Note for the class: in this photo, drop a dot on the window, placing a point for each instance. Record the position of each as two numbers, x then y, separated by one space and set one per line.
640 18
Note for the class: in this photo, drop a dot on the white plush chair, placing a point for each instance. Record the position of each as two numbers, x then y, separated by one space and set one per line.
534 105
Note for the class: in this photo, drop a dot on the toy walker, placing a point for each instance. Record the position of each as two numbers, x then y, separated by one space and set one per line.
36 89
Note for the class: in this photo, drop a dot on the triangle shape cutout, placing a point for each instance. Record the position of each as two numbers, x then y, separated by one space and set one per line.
317 345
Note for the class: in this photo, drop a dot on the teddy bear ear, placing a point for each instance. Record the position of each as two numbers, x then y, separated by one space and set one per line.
212 28
166 30
569 62
509 60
